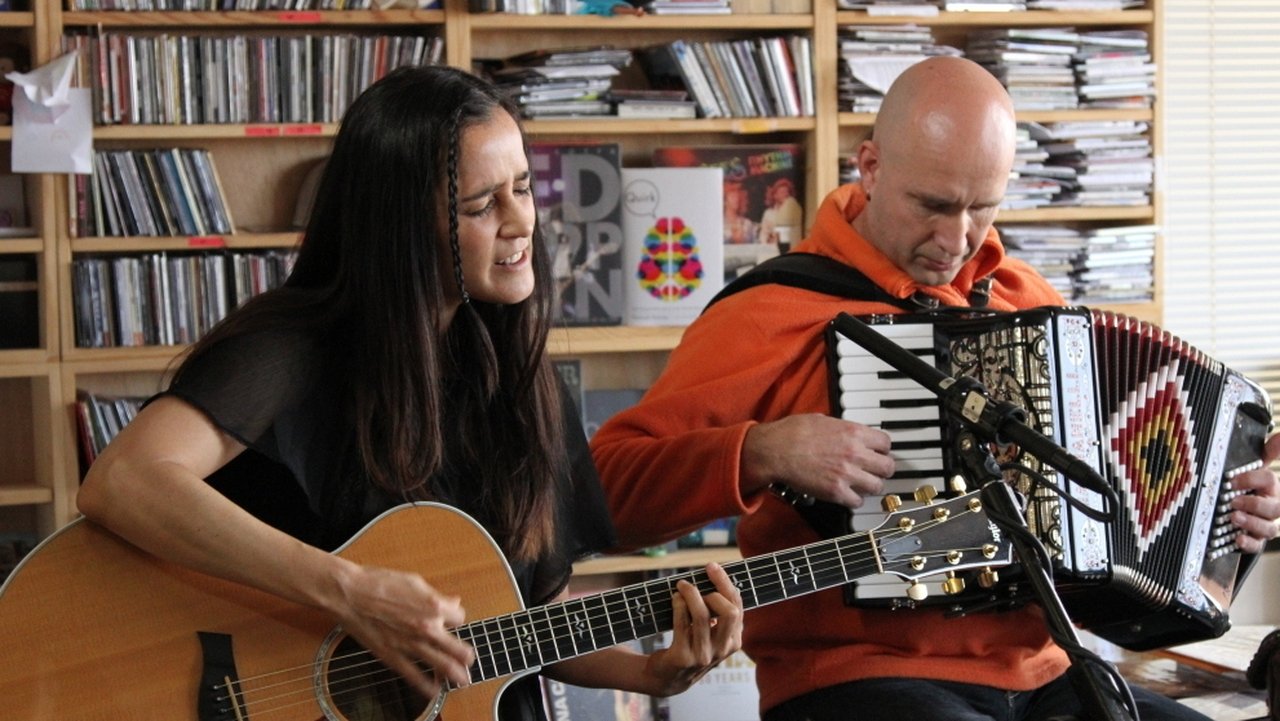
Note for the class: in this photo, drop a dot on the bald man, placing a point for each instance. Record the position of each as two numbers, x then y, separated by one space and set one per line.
743 403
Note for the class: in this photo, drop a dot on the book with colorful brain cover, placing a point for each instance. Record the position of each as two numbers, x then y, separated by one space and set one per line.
673 243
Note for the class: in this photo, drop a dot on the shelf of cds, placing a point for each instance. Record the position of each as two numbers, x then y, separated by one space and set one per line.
125 266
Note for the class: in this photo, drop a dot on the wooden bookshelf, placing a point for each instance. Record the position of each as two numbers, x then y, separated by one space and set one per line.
269 161
32 478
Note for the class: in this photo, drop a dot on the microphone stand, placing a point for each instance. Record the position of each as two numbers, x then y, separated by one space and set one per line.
1095 681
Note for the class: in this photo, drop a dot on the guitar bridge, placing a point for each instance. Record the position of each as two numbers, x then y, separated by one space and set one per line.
217 700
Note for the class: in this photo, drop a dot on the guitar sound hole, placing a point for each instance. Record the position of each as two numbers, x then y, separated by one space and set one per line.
362 689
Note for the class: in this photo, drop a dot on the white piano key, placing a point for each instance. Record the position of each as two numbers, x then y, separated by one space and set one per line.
903 464
911 435
871 385
870 365
877 416
873 399
916 454
903 331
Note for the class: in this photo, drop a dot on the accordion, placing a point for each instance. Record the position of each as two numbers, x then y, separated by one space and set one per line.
1164 425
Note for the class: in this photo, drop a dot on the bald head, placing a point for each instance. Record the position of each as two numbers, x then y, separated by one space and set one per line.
936 167
947 102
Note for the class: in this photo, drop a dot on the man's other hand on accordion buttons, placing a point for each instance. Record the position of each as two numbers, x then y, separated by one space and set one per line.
1256 513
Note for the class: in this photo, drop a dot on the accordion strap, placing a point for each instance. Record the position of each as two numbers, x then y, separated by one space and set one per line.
822 274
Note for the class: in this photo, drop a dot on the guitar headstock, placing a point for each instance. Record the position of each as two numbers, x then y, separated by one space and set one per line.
942 538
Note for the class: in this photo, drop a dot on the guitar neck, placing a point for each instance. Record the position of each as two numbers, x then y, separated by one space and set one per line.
546 634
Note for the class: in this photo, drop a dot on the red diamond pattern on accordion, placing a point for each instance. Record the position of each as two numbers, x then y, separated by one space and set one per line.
1150 438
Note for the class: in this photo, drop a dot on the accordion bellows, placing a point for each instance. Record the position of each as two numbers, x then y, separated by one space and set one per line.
1165 425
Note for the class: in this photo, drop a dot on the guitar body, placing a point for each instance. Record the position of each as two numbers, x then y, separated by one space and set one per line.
93 628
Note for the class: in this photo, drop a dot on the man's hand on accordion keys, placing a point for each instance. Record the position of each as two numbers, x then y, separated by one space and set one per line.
1256 510
819 456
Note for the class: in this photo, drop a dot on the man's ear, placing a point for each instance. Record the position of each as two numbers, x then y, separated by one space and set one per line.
868 164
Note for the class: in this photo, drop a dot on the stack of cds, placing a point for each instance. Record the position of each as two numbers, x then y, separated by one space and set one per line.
1111 161
1033 183
1114 70
1116 265
1034 64
562 83
1050 249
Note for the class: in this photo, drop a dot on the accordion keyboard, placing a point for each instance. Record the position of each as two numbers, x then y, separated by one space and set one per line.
874 394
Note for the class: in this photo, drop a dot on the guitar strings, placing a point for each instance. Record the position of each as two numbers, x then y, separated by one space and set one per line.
831 558
607 606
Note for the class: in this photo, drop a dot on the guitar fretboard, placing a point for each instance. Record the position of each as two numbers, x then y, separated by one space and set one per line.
546 634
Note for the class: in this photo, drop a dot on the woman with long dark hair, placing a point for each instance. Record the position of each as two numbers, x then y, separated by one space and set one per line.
404 360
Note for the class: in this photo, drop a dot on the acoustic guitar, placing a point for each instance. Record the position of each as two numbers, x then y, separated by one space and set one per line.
91 628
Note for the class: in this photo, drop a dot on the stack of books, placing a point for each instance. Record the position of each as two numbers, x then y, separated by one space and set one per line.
873 56
1034 64
561 83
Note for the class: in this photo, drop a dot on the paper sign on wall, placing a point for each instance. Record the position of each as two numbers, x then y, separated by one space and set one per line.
52 121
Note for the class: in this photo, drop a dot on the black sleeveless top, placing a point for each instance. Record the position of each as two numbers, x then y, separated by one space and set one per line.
278 393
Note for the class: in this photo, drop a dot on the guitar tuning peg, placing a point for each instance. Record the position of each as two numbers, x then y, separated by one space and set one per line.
953 585
957 484
891 503
926 494
988 577
917 591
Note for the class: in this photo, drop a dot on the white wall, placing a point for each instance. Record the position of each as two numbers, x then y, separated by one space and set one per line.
1220 174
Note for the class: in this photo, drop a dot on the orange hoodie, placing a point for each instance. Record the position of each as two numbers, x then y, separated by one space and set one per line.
670 465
